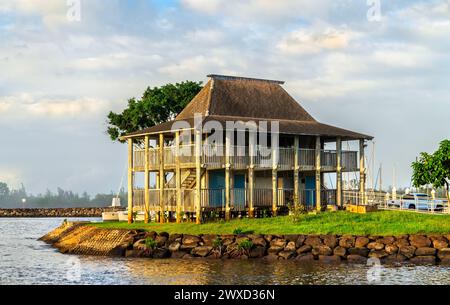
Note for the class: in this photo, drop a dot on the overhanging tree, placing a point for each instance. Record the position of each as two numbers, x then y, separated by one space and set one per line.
433 168
157 105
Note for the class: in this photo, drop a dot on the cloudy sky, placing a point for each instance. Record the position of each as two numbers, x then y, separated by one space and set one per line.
382 74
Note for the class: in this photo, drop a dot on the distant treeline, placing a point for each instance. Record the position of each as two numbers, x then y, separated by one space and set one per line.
14 198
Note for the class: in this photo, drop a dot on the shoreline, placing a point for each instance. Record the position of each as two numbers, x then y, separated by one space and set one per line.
56 212
80 238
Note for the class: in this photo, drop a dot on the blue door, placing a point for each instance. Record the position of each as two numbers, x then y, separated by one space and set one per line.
239 191
216 187
310 188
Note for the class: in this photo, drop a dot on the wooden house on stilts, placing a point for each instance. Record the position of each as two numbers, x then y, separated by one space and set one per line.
211 161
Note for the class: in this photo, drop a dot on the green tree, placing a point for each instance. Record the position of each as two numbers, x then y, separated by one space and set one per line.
433 168
4 189
157 105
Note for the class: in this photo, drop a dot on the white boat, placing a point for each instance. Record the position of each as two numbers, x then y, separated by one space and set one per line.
110 216
123 216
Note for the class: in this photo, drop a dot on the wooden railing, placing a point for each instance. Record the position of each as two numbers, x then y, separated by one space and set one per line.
214 157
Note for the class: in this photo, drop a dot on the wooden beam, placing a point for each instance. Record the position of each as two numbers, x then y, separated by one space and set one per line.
178 176
274 178
251 174
318 174
146 182
296 173
227 174
130 180
362 172
161 178
339 172
198 176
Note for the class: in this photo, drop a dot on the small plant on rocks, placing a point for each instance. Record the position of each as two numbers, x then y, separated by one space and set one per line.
238 231
150 243
245 246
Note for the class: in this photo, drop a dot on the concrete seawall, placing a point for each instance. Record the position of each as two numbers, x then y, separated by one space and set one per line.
79 238
56 212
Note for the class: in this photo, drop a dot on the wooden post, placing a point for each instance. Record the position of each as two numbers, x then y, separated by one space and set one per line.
274 179
318 174
178 176
251 174
198 176
227 174
146 182
339 172
130 181
161 178
362 172
296 172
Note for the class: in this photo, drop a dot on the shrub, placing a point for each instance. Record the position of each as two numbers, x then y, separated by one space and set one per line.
217 243
238 231
150 243
245 246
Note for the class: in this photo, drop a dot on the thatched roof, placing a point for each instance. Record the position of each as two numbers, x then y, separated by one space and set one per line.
226 98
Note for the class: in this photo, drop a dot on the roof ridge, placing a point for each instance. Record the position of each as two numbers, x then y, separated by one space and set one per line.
231 77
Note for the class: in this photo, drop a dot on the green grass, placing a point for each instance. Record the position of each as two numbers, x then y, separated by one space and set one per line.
376 223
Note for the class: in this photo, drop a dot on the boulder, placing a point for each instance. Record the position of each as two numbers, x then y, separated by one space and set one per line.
440 244
386 240
423 259
175 246
161 253
304 249
291 237
300 241
322 250
391 249
191 239
359 251
375 246
347 241
257 252
407 251
188 247
208 239
330 241
340 251
178 254
175 237
268 237
290 246
444 254
275 250
227 241
361 241
286 254
394 258
140 245
134 253
305 257
378 253
401 242
161 240
259 241
151 234
425 251
201 251
333 259
164 234
313 241
278 243
419 241
356 259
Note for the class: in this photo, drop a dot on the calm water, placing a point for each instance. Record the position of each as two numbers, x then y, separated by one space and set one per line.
25 260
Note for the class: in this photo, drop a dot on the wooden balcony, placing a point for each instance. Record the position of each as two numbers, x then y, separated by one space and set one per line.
213 157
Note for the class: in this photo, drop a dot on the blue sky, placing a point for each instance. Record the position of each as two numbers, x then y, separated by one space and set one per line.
59 78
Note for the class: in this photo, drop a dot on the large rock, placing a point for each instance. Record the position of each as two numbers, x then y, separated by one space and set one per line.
340 251
175 237
356 259
391 249
347 241
425 259
359 251
257 252
378 253
161 240
286 254
175 246
201 251
161 253
361 242
444 254
268 237
304 249
333 259
208 239
275 250
178 254
290 246
313 241
402 242
322 250
394 258
259 241
330 241
425 251
386 240
191 239
300 241
305 257
278 243
140 245
375 246
291 237
440 243
407 251
419 241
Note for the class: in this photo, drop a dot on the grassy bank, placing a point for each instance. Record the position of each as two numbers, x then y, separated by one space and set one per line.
377 223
